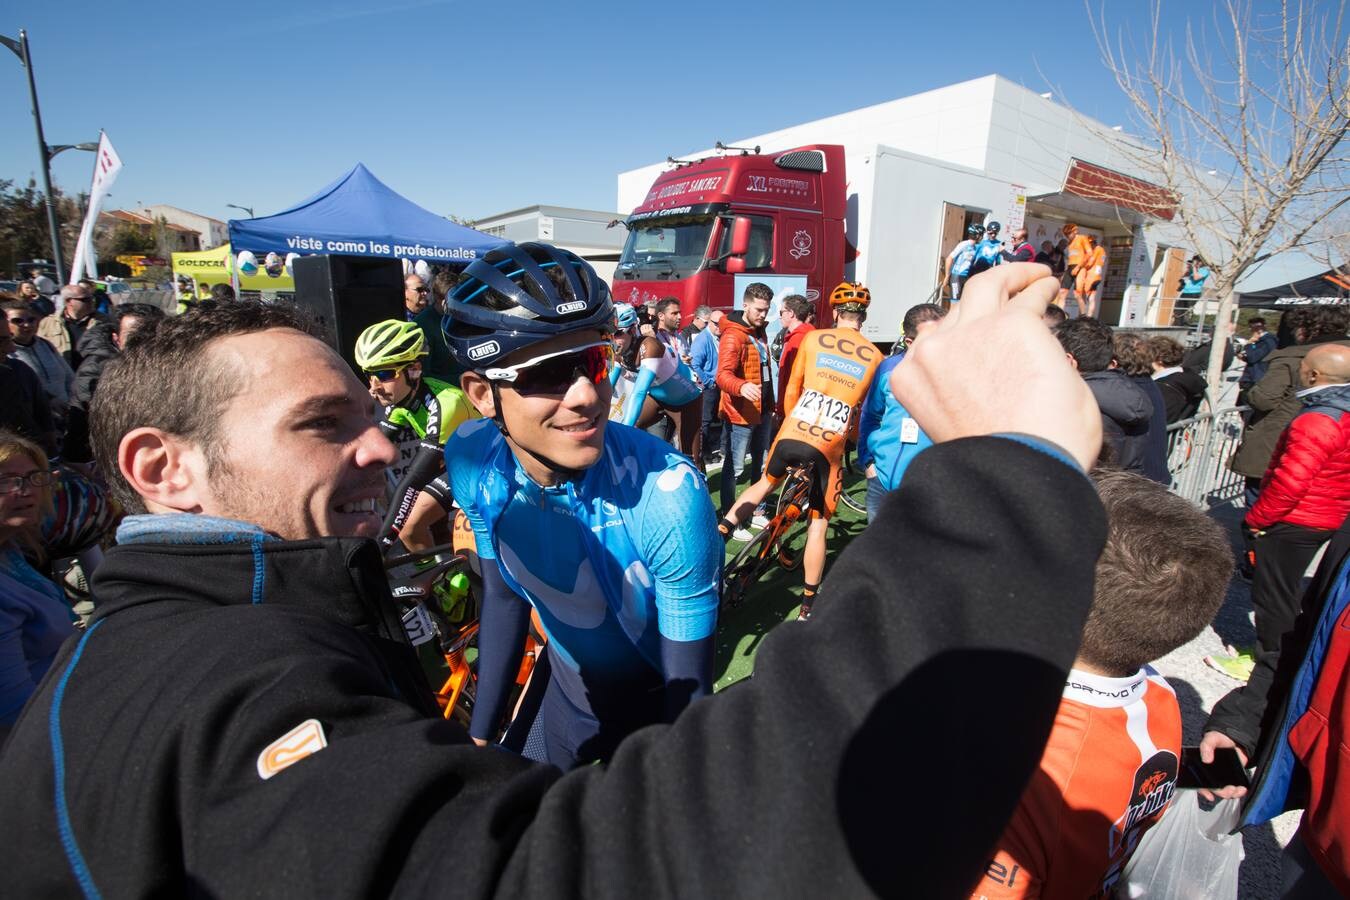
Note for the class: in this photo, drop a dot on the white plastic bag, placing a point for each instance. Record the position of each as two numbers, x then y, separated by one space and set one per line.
1188 854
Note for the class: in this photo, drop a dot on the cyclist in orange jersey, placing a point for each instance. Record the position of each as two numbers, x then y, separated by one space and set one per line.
1075 259
830 378
1090 277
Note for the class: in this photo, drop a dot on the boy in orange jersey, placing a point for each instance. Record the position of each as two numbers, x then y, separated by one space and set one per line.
1110 765
830 376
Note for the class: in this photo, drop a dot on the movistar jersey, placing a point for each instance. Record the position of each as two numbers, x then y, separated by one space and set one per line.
432 413
666 378
615 561
962 256
988 253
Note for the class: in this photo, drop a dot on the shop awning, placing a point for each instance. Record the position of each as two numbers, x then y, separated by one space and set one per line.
1098 192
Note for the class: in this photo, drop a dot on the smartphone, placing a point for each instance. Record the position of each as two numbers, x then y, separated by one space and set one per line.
1225 770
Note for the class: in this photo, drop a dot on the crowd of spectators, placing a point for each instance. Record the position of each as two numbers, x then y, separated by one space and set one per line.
1055 828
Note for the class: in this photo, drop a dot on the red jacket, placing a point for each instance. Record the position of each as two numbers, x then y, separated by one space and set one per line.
790 345
1318 739
739 362
1308 481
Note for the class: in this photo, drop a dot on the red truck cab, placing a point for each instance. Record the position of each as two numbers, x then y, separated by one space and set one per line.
706 221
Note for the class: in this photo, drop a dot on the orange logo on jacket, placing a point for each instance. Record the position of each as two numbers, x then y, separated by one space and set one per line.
303 740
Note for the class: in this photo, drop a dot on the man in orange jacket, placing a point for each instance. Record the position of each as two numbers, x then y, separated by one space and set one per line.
744 378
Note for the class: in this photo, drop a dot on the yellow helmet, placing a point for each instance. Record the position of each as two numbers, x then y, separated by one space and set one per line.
389 344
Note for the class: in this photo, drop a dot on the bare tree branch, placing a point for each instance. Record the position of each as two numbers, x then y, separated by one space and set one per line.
1247 123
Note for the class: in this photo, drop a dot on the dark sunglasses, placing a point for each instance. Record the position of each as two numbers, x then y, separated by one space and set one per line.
421 290
21 321
555 373
385 374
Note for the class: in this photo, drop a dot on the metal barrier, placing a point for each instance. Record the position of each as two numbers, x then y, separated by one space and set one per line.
1198 450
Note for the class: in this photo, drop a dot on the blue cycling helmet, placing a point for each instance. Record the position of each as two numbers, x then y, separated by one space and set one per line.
994 227
975 230
516 295
625 317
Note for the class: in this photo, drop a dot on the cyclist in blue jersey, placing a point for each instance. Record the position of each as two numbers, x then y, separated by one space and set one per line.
988 252
603 529
649 380
959 261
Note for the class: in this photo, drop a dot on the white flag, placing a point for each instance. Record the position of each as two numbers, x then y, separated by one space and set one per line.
106 168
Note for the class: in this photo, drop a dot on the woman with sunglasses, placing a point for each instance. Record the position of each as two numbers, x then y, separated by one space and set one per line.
650 380
34 618
606 531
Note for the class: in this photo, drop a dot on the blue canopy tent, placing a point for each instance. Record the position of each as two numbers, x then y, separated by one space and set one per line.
359 215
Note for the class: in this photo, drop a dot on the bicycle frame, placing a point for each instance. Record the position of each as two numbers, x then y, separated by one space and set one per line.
770 545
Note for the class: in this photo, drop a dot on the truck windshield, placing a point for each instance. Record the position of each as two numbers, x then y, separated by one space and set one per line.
673 248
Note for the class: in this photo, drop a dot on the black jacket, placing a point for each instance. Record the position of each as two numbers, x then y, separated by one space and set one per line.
96 351
843 768
1155 439
1125 410
1182 393
24 406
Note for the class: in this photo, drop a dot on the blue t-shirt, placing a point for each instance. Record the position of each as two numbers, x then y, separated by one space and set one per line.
614 562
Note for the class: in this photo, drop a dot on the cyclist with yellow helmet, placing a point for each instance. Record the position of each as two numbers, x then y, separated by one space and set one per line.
829 380
420 413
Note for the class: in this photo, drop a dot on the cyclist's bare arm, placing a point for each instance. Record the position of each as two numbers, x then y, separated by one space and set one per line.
416 529
427 463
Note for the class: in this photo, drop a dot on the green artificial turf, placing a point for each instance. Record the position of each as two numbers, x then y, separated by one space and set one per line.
777 595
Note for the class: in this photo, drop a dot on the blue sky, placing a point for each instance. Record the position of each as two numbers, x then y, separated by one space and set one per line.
474 109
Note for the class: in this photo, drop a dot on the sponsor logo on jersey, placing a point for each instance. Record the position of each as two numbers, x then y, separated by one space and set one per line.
482 351
860 349
1154 783
563 309
848 367
303 740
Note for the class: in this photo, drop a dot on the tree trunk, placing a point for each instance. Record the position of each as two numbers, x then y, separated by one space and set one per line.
1219 344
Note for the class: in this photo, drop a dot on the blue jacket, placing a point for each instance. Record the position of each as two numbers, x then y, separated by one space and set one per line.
1255 354
879 426
703 353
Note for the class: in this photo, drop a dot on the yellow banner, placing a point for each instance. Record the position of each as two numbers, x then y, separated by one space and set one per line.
210 267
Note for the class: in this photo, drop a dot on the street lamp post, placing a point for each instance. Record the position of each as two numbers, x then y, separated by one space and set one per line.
20 49
247 209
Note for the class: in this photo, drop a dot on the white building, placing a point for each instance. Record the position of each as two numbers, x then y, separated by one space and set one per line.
213 231
921 168
589 233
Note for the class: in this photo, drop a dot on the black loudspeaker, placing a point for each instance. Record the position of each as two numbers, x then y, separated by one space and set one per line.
347 294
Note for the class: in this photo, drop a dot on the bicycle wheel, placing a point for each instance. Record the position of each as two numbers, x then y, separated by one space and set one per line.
744 569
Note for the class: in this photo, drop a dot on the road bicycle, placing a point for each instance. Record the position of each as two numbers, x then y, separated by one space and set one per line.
424 621
772 545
